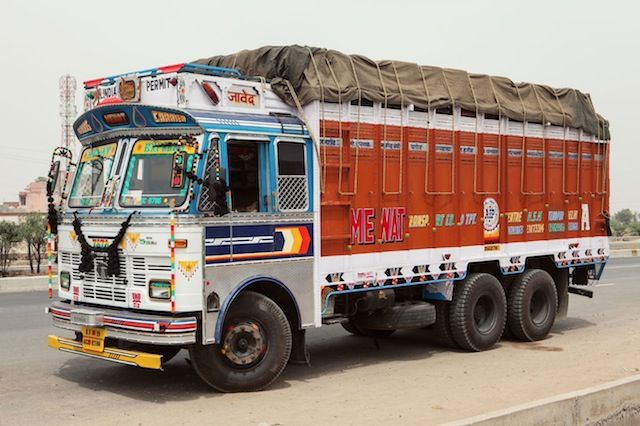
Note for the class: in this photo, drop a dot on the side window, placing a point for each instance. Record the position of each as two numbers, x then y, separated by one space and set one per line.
244 175
293 193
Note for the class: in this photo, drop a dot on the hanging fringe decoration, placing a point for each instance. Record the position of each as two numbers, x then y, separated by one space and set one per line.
52 213
172 250
49 262
87 252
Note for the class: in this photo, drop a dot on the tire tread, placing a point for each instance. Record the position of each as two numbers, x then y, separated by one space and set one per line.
517 301
459 311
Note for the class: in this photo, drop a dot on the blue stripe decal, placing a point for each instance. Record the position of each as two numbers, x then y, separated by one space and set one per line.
237 243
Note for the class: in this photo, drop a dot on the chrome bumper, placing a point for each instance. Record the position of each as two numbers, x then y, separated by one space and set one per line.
125 325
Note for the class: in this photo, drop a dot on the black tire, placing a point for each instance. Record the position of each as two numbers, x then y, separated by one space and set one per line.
478 312
442 326
255 347
532 305
356 330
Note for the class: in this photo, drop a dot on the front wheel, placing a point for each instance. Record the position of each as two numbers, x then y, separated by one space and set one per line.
255 347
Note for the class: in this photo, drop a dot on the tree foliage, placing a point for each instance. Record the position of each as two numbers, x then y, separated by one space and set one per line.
625 222
33 232
9 237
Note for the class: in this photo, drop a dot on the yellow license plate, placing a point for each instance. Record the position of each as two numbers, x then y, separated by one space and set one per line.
93 338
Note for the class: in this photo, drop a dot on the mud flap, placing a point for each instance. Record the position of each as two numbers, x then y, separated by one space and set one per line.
299 351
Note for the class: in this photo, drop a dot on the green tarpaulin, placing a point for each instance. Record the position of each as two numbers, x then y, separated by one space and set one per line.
331 76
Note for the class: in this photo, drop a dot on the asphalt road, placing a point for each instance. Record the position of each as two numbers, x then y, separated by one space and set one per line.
406 378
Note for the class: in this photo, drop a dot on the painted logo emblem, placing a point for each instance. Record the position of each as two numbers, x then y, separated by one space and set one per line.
491 224
188 268
133 238
100 242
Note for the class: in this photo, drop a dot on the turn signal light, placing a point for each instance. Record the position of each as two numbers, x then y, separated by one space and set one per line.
179 243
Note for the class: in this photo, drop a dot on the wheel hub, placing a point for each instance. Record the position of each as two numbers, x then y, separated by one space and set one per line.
539 308
485 314
244 344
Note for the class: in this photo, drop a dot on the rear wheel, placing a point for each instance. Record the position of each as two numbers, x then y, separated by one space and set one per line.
532 306
478 312
356 330
255 347
442 326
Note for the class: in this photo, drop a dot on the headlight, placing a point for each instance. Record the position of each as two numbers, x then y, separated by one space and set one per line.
65 280
159 289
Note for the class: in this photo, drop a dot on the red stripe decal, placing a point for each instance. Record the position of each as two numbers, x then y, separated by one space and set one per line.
170 68
306 239
89 84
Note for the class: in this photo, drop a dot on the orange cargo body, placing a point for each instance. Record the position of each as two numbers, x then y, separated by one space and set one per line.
434 182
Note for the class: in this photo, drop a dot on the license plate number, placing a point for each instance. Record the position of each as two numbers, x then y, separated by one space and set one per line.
86 317
93 338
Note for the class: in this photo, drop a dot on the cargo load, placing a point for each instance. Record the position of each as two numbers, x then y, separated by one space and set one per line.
314 74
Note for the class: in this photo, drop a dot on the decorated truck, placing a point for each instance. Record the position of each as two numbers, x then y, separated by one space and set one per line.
229 204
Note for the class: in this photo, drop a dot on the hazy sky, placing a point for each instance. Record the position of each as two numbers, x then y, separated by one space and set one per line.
593 46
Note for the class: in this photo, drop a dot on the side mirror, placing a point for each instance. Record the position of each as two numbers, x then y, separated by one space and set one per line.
54 171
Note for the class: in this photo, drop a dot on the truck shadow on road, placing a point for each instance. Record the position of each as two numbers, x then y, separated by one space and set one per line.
178 381
563 325
331 352
344 352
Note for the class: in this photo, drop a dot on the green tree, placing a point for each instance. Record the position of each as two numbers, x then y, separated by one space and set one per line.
635 228
33 232
617 228
625 216
9 237
625 222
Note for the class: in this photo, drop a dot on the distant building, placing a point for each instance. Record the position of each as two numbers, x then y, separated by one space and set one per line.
11 211
13 217
34 196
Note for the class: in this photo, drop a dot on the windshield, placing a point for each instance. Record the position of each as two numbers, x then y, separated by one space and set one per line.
148 182
91 176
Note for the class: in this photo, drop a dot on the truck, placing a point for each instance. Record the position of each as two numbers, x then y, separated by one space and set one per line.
229 204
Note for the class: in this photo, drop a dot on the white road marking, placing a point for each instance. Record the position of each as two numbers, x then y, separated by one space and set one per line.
605 285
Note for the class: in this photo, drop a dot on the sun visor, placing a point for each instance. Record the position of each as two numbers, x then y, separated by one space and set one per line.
125 120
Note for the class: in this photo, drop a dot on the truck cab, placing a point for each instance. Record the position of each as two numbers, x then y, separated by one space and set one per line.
193 188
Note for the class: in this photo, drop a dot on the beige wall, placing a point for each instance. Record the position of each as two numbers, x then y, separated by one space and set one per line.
11 217
36 197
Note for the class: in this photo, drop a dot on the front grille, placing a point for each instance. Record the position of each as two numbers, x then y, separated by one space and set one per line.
144 268
139 269
105 292
134 271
